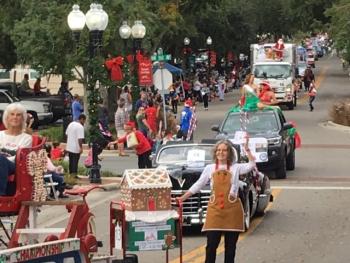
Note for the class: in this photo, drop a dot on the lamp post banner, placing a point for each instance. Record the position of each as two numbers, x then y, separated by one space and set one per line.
145 72
212 58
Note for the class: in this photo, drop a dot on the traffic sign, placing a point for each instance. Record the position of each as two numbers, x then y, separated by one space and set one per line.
162 80
159 56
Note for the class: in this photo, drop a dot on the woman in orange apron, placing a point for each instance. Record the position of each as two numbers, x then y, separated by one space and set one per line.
225 211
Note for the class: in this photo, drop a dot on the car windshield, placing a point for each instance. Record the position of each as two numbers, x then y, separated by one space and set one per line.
258 122
272 71
185 154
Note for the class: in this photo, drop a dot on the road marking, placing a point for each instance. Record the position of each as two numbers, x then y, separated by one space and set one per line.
287 187
318 83
197 255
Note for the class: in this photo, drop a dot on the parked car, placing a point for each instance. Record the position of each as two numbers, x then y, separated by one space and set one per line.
60 106
301 69
311 57
41 111
185 162
272 125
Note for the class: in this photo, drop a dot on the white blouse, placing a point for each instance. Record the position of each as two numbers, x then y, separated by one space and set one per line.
235 169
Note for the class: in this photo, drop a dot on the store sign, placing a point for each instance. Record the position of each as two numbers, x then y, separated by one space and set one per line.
145 72
148 236
49 250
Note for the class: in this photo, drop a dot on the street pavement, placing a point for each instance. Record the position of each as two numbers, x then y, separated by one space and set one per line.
308 220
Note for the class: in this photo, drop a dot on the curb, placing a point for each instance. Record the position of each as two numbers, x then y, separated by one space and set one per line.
335 126
108 183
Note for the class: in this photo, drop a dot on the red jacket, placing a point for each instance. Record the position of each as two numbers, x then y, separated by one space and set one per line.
143 146
151 117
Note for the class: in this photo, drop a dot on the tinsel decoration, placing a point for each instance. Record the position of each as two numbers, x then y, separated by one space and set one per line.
36 166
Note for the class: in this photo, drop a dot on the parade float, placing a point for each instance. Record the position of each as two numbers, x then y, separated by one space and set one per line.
145 207
144 219
22 240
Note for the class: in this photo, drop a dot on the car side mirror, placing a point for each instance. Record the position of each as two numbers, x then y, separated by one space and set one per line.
287 126
215 128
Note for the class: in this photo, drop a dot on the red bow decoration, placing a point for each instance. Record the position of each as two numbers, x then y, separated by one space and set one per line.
113 65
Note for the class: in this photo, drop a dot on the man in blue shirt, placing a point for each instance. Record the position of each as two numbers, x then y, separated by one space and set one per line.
142 101
77 108
186 116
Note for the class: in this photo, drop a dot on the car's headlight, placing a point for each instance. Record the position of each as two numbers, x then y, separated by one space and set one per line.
275 140
46 108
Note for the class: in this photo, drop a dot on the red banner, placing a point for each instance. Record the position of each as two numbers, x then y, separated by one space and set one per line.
145 72
212 58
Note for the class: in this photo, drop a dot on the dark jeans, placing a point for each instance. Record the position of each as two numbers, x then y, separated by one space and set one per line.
205 100
144 161
306 84
197 95
57 178
213 240
174 106
73 162
311 99
7 168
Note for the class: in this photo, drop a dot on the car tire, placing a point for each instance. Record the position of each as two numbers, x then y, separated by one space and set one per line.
281 172
247 213
290 162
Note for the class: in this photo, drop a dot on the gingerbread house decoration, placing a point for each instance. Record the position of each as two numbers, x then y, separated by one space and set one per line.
146 190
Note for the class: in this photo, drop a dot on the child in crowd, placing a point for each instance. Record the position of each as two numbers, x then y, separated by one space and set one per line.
57 174
56 152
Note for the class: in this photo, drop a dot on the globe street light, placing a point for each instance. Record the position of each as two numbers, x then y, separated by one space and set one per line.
96 20
187 41
125 33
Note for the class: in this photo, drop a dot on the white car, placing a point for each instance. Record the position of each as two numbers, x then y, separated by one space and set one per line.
41 111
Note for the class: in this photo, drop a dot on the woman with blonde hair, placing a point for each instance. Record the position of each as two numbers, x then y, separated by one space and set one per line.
225 211
11 139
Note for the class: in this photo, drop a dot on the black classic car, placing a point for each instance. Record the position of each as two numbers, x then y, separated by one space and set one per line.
270 124
185 162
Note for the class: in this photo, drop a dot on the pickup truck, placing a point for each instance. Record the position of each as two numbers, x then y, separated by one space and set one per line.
41 111
272 125
61 107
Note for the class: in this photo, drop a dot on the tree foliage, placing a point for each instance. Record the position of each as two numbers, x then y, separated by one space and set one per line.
340 26
36 31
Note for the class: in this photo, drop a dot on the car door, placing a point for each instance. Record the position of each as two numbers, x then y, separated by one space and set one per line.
287 140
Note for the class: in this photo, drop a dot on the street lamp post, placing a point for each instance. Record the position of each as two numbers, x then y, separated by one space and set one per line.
186 52
209 43
96 19
137 32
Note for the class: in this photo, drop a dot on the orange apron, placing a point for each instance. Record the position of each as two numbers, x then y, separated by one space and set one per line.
222 213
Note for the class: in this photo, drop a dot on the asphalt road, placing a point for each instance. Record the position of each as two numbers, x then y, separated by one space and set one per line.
308 220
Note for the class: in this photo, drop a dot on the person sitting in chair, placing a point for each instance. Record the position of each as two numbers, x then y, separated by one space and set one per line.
11 139
56 173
